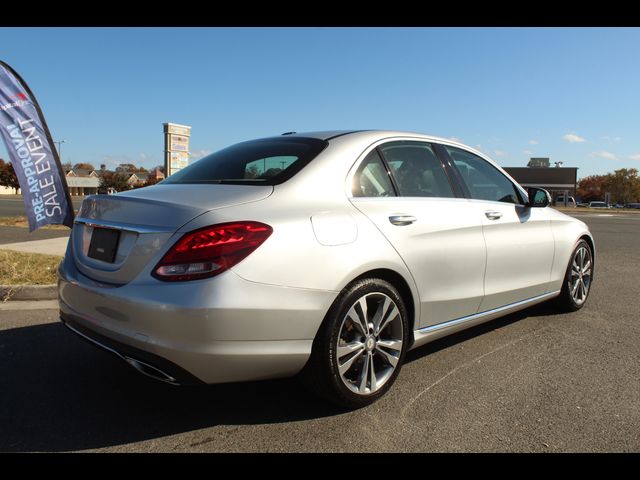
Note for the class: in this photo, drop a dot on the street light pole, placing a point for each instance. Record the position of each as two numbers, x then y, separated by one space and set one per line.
59 143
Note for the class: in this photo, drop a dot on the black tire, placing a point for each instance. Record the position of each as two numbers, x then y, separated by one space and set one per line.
321 375
566 301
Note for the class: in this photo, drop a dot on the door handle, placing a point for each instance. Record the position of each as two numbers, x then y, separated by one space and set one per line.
491 215
401 220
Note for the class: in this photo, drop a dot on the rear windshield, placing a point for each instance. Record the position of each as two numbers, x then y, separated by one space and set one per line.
256 162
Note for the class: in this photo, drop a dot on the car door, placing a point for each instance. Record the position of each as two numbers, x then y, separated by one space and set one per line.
519 239
404 189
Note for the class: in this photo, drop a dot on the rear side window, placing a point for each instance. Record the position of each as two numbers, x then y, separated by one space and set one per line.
257 162
417 170
372 178
485 182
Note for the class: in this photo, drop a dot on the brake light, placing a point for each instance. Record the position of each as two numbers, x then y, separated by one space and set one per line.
211 250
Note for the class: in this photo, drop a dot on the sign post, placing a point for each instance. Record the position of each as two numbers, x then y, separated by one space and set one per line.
176 147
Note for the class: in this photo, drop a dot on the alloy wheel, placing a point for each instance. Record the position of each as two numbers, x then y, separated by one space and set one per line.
370 343
580 275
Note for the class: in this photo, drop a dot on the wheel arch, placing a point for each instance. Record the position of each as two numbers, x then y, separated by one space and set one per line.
587 238
401 284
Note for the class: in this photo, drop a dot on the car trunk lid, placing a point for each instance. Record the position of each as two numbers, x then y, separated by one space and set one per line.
141 222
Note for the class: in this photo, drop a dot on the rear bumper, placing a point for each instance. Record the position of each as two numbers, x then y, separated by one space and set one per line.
143 361
218 330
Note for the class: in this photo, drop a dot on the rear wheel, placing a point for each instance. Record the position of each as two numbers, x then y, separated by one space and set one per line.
359 350
577 281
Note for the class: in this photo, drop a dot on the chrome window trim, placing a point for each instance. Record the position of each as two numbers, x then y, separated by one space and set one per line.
356 165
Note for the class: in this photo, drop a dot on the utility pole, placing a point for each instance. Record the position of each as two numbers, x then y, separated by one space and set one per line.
59 143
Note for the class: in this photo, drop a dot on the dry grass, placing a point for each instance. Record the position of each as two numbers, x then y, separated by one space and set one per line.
21 221
17 268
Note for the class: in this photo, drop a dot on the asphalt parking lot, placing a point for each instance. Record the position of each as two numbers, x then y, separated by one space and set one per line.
530 382
12 205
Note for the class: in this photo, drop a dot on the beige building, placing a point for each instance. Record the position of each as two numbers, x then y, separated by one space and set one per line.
82 182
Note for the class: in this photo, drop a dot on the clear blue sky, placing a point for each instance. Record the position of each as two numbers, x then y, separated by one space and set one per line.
572 94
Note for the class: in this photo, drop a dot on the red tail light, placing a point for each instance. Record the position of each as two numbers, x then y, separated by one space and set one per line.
211 250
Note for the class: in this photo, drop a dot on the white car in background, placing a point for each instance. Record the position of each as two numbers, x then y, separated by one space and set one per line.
571 202
598 205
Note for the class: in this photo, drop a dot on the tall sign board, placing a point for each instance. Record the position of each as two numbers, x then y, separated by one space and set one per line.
176 147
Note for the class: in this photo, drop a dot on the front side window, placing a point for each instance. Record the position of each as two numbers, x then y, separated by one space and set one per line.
416 169
372 179
257 162
484 181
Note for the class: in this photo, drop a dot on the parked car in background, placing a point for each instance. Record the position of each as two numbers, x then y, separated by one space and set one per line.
325 254
571 202
598 205
632 205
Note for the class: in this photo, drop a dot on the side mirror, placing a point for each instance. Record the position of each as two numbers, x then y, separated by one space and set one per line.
538 197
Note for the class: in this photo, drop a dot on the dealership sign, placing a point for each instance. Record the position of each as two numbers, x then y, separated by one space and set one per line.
178 143
176 147
32 154
179 160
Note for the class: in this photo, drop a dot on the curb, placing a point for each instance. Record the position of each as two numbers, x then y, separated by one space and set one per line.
28 292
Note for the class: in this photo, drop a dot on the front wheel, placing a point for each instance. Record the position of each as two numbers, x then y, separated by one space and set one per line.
577 281
359 350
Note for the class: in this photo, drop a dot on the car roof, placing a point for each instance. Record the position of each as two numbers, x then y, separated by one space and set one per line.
321 135
330 134
366 136
361 139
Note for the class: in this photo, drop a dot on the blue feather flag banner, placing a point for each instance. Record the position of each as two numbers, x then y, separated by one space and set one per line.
32 154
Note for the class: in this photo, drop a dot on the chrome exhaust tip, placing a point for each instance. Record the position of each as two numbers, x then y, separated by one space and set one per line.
150 370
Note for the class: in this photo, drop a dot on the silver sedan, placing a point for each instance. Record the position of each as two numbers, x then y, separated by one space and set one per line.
324 254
